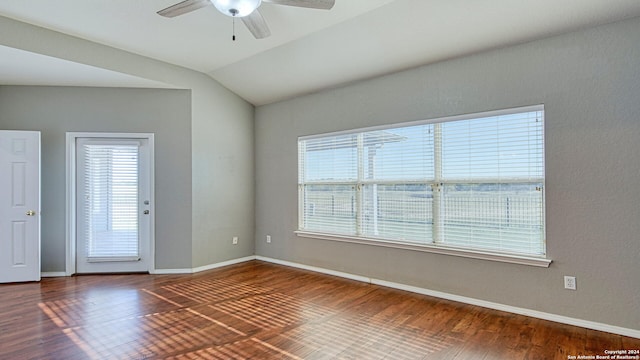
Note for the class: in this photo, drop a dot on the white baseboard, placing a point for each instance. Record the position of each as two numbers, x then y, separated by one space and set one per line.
53 274
466 300
171 271
315 269
202 268
224 263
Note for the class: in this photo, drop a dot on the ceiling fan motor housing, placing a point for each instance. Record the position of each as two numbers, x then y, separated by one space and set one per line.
236 8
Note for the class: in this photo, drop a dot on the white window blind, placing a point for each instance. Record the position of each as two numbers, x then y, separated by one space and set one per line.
474 182
111 195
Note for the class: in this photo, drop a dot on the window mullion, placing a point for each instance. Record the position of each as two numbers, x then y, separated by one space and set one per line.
302 201
359 185
437 211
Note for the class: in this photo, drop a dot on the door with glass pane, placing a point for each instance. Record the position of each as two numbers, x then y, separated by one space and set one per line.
112 210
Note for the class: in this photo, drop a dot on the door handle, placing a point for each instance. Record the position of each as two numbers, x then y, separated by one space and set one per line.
31 213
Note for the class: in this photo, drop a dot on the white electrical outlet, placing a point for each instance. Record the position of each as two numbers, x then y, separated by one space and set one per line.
268 238
235 240
570 282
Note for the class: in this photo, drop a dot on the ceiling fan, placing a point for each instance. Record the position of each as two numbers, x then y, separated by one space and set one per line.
247 10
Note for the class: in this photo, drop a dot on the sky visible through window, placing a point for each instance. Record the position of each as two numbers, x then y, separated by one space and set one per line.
472 150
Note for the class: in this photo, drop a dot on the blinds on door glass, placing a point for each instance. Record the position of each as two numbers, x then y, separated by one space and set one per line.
111 201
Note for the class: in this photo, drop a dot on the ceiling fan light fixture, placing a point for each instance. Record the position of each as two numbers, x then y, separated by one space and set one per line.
236 8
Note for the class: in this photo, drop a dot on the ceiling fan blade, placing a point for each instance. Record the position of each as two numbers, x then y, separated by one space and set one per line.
256 24
184 7
312 4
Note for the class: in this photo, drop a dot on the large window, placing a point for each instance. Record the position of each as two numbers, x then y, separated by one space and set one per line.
473 182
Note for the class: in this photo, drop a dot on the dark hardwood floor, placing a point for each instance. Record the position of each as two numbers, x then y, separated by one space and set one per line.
257 310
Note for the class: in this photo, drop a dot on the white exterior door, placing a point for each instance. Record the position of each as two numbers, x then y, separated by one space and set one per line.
19 206
113 205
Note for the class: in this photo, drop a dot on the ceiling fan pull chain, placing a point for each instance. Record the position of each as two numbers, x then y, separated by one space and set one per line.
234 29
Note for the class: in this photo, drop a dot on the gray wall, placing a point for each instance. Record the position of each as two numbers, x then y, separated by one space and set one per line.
223 180
56 110
589 82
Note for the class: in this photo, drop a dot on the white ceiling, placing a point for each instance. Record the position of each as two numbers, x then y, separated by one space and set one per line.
309 50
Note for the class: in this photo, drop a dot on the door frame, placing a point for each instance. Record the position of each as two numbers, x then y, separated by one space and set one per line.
71 211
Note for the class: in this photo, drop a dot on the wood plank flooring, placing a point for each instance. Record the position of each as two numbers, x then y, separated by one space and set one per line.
257 310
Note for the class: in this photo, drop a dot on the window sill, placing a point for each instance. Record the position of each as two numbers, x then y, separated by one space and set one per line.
436 249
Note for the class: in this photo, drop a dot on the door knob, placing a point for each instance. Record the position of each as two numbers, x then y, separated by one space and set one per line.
31 213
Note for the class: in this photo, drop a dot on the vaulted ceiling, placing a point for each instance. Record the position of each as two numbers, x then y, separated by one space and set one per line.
309 50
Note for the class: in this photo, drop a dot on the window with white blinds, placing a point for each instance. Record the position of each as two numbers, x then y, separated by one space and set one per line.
471 182
111 201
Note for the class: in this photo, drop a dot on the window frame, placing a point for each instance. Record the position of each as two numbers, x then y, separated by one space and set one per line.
435 246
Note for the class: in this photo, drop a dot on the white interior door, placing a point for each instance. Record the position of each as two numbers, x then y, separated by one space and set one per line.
19 206
113 205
